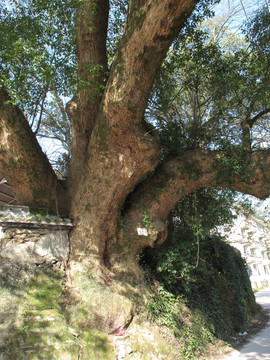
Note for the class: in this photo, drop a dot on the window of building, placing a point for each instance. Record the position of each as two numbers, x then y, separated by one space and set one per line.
266 269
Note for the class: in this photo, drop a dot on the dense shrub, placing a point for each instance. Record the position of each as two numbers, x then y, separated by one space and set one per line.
210 274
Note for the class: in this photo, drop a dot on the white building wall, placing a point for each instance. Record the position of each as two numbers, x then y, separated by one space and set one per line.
252 238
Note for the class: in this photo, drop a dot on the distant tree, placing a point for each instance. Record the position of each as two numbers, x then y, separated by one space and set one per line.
56 126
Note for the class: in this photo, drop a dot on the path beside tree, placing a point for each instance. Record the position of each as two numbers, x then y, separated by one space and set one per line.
259 346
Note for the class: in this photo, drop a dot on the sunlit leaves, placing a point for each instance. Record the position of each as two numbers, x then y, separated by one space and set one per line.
258 33
37 49
206 92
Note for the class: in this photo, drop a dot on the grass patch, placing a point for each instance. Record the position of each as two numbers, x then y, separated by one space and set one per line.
189 328
36 327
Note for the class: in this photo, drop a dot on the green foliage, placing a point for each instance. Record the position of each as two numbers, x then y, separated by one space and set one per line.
258 34
191 329
219 285
198 266
203 10
146 220
205 92
166 309
234 162
216 283
205 209
37 49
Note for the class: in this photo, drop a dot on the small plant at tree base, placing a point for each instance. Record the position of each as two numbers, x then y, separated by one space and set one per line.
190 328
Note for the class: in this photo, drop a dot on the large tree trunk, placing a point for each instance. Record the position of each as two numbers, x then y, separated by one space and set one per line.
121 151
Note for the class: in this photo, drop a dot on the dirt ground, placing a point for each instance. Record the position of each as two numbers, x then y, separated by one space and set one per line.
238 341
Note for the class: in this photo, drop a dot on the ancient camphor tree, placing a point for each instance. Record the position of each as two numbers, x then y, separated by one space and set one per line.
119 191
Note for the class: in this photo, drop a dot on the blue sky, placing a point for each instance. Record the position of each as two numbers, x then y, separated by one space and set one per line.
239 11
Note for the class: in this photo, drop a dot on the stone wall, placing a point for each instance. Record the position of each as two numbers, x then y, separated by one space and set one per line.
30 237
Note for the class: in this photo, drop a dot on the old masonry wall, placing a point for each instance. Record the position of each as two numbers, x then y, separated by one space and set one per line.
30 237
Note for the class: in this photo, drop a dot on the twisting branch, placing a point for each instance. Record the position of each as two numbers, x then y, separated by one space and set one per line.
181 175
258 116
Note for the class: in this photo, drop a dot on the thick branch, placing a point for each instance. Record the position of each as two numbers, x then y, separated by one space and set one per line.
121 150
200 169
151 28
149 206
22 161
91 32
258 116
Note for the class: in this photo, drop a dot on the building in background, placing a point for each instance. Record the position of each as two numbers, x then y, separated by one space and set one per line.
251 236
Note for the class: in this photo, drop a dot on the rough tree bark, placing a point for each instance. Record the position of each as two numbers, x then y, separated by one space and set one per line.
112 152
22 160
